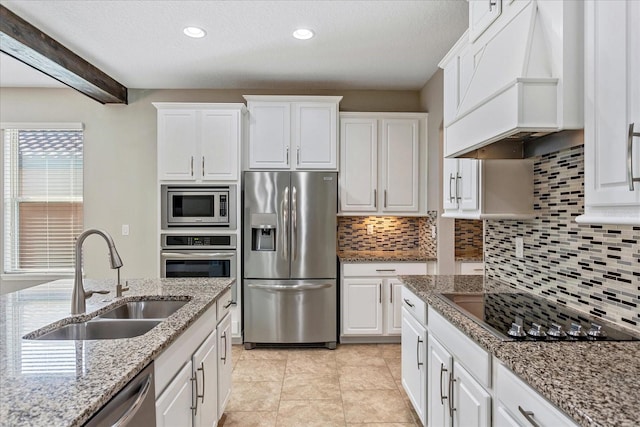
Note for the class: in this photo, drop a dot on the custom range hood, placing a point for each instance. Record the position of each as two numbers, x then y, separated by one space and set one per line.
520 80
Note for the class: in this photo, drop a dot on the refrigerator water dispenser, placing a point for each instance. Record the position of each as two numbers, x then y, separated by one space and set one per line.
263 232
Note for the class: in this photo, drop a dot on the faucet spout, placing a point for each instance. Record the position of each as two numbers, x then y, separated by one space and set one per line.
79 295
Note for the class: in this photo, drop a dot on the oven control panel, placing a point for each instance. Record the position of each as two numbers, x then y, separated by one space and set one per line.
208 241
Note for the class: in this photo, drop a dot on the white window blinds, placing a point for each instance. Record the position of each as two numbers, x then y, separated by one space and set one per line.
42 198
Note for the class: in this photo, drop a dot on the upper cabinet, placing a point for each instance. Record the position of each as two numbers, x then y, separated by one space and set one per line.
199 142
488 189
612 113
382 163
482 13
293 132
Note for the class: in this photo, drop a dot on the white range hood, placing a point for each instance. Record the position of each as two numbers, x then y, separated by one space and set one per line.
521 79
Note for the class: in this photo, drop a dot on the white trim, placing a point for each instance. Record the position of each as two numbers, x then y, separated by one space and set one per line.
42 126
49 277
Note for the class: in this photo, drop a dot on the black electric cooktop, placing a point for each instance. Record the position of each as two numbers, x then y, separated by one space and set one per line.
527 317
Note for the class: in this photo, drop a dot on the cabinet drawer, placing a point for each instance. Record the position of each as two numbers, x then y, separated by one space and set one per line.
475 359
514 394
384 268
472 268
414 305
224 304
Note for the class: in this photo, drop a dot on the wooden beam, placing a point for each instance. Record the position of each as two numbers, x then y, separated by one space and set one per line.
28 44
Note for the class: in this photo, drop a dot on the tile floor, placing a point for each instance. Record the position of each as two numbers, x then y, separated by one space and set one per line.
354 385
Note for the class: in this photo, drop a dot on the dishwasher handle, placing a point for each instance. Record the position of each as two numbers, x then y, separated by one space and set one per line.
135 406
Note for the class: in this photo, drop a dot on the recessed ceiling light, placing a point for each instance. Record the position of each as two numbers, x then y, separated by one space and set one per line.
194 32
303 34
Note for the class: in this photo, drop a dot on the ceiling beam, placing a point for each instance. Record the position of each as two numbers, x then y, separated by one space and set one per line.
28 44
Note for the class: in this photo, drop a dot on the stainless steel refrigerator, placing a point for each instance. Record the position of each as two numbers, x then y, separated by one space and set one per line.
289 253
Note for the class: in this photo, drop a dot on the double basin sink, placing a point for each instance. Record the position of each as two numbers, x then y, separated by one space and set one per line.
127 320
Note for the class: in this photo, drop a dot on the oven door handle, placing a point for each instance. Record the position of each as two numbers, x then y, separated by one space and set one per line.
215 255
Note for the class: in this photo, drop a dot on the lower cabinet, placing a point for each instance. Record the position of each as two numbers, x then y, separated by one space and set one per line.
173 407
469 267
225 367
414 360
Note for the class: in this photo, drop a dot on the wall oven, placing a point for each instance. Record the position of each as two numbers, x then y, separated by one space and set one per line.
198 206
199 256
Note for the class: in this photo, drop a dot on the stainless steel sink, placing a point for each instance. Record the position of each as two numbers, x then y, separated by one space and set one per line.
160 309
100 330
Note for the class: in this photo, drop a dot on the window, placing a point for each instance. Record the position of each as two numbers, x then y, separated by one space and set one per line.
42 197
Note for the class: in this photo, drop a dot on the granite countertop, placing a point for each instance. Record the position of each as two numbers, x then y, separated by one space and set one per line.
383 256
595 383
62 383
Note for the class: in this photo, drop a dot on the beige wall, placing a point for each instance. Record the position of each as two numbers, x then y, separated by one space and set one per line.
431 100
120 157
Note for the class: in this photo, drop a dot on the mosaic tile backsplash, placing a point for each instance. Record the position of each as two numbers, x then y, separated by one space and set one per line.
389 234
468 237
592 268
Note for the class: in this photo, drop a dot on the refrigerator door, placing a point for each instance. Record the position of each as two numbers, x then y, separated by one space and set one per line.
290 312
314 203
266 225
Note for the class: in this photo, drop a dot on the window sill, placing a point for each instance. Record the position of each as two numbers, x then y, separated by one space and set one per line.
32 277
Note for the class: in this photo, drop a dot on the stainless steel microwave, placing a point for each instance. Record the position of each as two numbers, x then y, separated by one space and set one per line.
199 206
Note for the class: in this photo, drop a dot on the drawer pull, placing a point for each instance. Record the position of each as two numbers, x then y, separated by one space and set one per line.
442 396
408 303
418 353
390 270
229 304
529 416
451 407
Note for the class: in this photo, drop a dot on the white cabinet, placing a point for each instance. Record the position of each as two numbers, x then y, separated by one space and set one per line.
225 367
612 113
371 299
199 142
482 13
488 189
518 404
470 403
173 407
382 163
440 366
414 359
293 132
468 267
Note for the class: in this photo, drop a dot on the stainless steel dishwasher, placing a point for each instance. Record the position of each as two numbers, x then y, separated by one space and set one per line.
133 406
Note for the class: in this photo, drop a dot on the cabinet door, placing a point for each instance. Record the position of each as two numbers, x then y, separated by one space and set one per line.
440 365
400 160
220 139
177 145
269 135
502 418
394 307
362 307
225 365
612 103
482 13
469 184
450 172
173 407
358 164
205 370
471 402
414 372
315 135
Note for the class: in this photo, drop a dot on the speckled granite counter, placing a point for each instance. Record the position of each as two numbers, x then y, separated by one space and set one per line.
62 383
596 383
383 256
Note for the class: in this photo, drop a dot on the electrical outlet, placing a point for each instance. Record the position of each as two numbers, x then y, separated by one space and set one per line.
369 229
125 229
519 247
433 231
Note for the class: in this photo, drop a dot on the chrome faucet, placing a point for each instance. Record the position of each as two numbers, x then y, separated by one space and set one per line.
79 295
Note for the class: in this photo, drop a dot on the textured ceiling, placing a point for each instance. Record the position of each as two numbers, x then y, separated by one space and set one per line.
358 44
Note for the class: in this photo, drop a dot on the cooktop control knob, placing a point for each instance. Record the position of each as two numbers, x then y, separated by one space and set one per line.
575 331
556 331
536 331
596 331
516 331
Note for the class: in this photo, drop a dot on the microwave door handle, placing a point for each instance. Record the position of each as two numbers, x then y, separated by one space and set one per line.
294 223
285 224
215 255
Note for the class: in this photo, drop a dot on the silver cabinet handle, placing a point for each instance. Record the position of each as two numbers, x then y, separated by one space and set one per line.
418 353
492 3
528 416
224 337
451 381
442 371
380 292
203 166
406 301
451 179
380 270
385 198
285 220
126 417
630 176
294 223
201 396
390 293
458 178
229 304
191 165
287 155
194 396
375 198
298 155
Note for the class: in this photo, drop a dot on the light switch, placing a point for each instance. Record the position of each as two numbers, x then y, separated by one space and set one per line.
519 247
369 229
125 229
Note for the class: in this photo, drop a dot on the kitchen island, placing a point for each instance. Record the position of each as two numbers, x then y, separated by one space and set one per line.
63 383
595 383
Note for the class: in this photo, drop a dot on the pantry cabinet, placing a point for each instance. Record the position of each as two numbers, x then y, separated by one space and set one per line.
382 163
293 132
488 189
199 142
371 299
612 113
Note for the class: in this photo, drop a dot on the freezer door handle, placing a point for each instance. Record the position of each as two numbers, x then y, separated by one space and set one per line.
294 223
300 287
285 223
